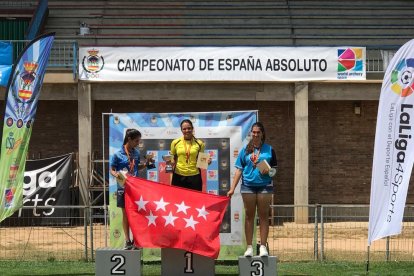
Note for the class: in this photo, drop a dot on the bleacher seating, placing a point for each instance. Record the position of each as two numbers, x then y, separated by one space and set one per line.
185 23
14 18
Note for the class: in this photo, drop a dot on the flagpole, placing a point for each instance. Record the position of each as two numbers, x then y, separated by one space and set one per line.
367 267
104 181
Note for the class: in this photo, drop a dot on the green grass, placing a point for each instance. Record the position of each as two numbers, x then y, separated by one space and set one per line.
55 268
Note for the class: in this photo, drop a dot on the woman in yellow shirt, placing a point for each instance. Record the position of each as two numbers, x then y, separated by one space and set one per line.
185 151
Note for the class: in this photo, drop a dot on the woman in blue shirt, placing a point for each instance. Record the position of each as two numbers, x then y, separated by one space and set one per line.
257 185
126 159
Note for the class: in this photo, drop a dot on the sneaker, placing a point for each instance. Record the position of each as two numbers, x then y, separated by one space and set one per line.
128 245
134 247
263 251
249 251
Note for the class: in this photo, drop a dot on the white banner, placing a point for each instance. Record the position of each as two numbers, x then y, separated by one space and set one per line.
221 63
394 149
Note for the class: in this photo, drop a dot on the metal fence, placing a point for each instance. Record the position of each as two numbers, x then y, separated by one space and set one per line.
64 54
333 232
336 232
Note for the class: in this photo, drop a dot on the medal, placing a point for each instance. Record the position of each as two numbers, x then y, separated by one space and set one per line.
254 158
187 150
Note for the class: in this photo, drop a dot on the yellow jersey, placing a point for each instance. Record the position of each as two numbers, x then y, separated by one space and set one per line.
186 153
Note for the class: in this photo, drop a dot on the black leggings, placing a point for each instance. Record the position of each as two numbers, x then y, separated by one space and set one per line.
193 182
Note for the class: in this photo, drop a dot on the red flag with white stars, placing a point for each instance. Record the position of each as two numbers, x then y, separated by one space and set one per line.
165 216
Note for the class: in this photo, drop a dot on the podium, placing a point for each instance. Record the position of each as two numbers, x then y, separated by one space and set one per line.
111 261
257 265
180 262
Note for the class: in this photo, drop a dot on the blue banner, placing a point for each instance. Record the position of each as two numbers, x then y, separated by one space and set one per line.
23 93
6 61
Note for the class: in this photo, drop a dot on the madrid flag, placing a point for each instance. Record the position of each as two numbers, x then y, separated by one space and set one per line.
394 146
172 217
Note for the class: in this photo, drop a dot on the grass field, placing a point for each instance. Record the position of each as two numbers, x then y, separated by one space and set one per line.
54 268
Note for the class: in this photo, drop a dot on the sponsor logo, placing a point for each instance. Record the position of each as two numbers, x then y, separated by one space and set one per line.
212 175
10 141
152 175
350 59
9 197
236 216
212 154
117 234
26 81
9 122
402 78
14 168
350 63
24 95
12 144
19 123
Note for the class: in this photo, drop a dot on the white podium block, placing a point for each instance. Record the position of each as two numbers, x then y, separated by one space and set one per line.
180 262
257 266
111 261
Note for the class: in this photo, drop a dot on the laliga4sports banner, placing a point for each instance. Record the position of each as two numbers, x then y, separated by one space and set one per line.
394 146
45 186
23 92
221 63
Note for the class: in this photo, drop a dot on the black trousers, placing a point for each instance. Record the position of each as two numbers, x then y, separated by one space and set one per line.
193 182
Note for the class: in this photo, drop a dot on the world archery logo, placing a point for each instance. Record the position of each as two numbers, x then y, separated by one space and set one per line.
402 78
350 59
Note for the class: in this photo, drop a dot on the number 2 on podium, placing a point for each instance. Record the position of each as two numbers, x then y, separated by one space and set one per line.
120 261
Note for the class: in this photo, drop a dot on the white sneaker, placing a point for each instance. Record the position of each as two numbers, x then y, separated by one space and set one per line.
263 251
249 251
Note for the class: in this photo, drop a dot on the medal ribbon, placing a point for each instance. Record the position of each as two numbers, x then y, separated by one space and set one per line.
130 160
187 150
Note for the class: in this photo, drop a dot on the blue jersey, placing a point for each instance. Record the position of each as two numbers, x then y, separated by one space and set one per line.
120 161
251 175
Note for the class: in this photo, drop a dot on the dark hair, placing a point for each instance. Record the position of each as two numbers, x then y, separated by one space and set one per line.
131 133
186 121
250 147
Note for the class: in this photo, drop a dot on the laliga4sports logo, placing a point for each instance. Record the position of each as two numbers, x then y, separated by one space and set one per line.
402 78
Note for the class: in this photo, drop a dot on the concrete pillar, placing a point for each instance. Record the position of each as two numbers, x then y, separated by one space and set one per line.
85 138
301 152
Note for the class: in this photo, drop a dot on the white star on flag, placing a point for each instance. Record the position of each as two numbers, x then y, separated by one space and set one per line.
182 207
151 219
202 212
190 222
169 219
141 203
161 204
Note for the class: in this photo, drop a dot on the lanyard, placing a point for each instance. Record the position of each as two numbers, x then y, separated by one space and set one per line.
255 157
131 161
187 150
